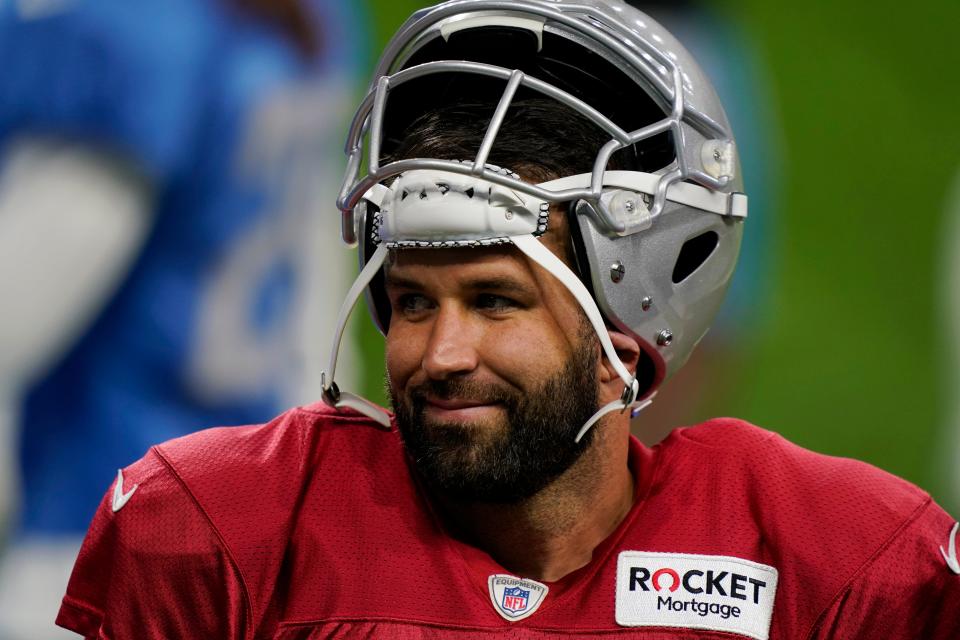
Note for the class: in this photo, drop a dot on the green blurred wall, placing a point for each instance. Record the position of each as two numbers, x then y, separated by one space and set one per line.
385 17
847 360
841 354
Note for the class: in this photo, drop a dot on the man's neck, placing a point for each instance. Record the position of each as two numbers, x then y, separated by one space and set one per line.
554 532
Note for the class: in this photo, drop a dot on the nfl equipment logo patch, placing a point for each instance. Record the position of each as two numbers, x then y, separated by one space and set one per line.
515 598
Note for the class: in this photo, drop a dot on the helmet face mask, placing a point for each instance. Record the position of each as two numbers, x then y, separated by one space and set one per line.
656 240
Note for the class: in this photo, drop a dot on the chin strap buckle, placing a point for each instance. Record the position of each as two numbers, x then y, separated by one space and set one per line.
333 397
627 400
331 392
630 393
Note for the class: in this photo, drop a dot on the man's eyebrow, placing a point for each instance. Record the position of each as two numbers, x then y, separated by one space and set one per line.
399 282
506 285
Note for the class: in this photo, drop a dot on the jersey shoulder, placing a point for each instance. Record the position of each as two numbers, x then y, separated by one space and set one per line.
823 521
230 473
909 589
207 518
148 530
249 481
785 469
263 467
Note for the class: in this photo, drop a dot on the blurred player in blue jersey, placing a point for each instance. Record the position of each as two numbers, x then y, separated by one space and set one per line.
161 163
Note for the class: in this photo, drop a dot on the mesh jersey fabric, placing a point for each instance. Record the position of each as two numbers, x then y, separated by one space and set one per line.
311 526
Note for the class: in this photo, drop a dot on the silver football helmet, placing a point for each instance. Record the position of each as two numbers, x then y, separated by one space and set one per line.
656 247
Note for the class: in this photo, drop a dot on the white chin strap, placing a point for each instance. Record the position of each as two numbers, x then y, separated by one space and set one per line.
535 250
332 394
439 209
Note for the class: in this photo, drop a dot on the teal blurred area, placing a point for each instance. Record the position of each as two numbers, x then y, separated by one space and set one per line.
850 347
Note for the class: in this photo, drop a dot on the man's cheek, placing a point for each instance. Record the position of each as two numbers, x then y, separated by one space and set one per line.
399 365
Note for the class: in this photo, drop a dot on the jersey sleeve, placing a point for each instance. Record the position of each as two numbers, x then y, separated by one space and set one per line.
154 568
906 590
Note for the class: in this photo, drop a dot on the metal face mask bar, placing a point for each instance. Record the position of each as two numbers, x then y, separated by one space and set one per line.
618 221
659 71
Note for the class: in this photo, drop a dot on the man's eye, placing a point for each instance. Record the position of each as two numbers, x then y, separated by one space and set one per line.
493 302
412 303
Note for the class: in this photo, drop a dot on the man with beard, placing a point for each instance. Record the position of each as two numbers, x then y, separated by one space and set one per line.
542 244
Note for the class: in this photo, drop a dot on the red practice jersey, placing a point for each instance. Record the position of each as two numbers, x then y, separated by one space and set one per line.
312 527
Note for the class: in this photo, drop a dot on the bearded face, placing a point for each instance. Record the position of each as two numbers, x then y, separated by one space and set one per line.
513 457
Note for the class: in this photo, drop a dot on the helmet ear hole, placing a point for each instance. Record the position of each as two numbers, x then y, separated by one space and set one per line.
646 373
694 253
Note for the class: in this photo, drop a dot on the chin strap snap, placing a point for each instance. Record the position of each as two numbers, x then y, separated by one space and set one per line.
627 401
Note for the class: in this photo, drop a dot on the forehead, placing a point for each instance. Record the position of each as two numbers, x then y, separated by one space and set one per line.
503 270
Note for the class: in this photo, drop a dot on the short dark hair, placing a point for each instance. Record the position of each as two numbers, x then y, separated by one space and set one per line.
444 114
539 138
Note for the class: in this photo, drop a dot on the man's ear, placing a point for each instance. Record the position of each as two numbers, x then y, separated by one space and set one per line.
627 349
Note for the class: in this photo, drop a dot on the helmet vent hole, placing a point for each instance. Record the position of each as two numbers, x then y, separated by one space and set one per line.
694 253
469 192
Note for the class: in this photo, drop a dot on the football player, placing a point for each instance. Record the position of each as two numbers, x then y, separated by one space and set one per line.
548 206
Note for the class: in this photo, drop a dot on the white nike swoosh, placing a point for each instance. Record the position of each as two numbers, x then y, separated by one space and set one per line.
119 497
951 558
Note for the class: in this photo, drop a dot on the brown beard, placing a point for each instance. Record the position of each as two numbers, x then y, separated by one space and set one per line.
512 459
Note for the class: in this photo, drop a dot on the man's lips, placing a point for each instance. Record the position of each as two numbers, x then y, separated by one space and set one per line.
461 408
455 403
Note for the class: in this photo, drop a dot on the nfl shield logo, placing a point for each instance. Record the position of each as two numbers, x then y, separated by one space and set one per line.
515 599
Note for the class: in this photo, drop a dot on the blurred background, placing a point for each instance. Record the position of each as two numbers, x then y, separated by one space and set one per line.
170 257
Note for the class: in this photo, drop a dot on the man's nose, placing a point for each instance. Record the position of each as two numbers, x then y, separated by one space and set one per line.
451 348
